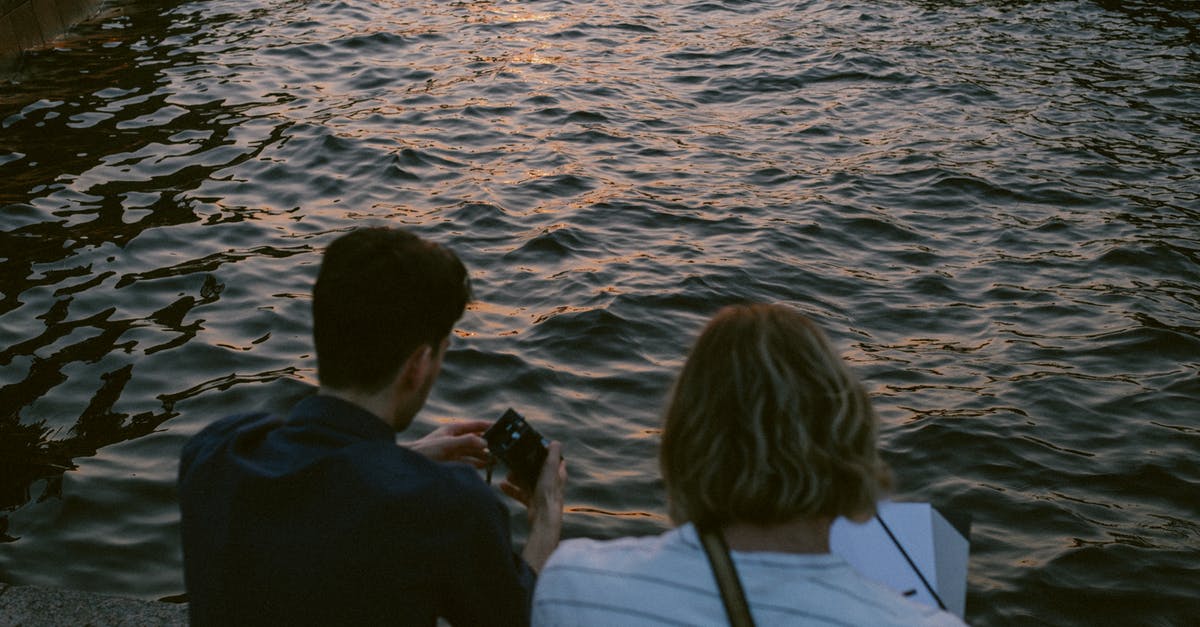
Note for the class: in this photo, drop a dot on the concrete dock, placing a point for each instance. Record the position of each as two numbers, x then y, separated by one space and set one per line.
28 24
33 606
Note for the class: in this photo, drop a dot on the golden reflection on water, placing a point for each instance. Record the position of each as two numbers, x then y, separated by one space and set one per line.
489 13
602 512
535 58
492 319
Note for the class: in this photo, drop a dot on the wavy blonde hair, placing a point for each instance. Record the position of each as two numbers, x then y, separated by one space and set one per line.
767 424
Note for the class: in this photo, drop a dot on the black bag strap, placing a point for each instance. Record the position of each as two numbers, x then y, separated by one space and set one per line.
732 594
911 563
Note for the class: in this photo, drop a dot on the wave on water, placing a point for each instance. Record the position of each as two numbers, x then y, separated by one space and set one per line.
991 206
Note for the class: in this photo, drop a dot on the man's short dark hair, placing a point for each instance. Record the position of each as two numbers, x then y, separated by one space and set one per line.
382 293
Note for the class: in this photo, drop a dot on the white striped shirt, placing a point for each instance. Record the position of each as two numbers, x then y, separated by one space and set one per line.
667 580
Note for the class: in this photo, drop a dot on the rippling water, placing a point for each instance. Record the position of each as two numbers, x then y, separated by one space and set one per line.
994 207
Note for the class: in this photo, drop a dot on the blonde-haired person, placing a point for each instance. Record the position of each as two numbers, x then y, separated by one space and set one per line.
767 439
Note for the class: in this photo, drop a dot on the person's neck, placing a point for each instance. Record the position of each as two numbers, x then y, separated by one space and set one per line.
378 403
805 535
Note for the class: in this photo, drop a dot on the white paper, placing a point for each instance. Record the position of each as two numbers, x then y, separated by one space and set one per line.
934 546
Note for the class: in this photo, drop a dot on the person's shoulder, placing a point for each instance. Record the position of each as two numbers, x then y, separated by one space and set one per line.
643 580
620 554
235 423
221 430
387 457
399 470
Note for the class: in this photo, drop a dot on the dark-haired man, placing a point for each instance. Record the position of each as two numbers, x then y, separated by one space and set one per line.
318 517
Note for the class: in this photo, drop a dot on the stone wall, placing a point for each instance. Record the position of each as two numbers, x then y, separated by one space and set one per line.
31 606
26 24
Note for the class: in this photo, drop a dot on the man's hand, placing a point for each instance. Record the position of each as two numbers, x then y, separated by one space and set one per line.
459 441
545 505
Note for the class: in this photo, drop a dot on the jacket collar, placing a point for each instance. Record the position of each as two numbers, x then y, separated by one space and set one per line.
343 416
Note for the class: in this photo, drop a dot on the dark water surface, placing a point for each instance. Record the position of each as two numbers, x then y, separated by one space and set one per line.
994 207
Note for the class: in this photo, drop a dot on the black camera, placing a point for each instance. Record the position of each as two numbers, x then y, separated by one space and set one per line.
519 446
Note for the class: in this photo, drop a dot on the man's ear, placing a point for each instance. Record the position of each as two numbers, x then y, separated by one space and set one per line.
416 368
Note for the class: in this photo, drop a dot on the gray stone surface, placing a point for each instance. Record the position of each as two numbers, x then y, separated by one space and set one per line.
27 24
32 606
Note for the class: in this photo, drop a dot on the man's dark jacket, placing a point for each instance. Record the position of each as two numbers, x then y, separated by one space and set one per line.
321 519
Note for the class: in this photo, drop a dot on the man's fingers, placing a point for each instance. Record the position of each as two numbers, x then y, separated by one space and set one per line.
554 461
460 427
469 448
469 442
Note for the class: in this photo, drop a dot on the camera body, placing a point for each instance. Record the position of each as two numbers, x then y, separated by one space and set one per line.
519 446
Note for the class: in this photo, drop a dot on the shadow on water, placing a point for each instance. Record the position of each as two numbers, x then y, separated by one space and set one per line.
1159 14
1181 14
30 453
124 52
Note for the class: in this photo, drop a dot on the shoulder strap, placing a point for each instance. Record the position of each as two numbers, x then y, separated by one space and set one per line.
732 595
911 564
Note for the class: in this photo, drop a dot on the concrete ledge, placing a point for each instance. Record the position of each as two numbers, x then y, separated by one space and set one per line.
26 24
31 606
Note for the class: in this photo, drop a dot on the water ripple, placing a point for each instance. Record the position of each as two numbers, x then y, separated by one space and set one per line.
991 206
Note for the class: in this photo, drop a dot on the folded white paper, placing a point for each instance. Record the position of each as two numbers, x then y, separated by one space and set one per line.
936 562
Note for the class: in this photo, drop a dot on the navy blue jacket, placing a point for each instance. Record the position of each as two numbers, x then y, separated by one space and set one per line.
321 519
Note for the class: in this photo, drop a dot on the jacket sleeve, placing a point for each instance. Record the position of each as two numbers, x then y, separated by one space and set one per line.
487 583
